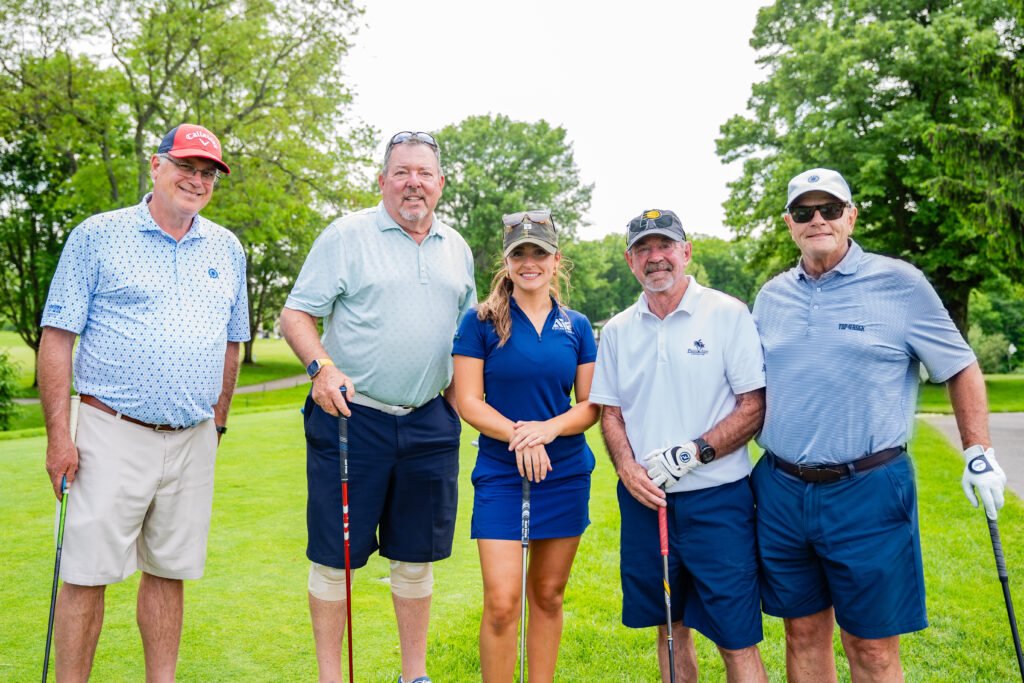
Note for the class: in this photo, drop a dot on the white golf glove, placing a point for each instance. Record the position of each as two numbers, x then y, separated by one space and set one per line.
667 466
983 473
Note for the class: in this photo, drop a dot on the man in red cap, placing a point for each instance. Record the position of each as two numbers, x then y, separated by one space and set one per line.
157 295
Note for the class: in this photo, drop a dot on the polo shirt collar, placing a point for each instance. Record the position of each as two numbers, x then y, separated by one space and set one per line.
554 306
688 304
148 224
847 266
386 222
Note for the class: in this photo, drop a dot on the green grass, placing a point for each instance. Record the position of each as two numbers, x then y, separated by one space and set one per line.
248 618
1005 395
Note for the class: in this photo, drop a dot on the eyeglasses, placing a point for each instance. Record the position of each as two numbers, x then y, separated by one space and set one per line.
209 175
399 138
649 220
513 219
830 211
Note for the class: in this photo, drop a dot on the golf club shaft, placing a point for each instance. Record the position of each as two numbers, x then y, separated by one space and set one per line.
76 401
1004 579
522 598
343 456
663 535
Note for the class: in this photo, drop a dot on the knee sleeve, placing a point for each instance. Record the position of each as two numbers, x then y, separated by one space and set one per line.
326 583
412 579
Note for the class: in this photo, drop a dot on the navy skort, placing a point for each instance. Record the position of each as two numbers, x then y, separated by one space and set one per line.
559 508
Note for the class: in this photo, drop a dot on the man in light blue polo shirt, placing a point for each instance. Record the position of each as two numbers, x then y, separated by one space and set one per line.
844 333
157 296
391 284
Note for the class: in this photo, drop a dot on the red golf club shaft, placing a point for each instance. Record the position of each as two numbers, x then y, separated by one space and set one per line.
663 534
343 453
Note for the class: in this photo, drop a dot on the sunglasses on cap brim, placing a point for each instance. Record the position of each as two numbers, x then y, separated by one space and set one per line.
514 219
652 219
830 211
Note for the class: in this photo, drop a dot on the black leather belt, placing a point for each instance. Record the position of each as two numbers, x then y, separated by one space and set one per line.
826 474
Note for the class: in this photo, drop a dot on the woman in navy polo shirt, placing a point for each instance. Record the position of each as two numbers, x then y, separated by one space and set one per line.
519 356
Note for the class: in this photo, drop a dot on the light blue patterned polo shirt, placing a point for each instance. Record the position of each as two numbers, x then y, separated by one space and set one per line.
154 315
842 355
390 306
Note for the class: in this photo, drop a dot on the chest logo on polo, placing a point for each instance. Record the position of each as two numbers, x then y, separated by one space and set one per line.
213 274
851 326
562 324
698 348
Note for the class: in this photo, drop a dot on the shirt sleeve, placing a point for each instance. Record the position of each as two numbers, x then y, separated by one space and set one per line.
605 387
585 333
323 275
744 358
932 336
70 295
238 324
469 338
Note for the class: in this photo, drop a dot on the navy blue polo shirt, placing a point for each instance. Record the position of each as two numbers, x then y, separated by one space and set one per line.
530 378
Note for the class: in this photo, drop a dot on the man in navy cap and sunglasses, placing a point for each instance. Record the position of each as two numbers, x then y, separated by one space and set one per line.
391 284
844 333
156 295
681 379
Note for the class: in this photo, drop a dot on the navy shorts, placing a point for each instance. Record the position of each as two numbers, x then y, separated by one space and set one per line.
712 564
852 544
403 484
559 508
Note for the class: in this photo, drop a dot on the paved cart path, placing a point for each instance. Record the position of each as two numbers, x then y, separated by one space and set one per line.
1007 432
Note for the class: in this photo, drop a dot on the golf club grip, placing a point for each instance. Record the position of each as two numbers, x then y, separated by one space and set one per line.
76 401
343 442
526 512
663 529
997 548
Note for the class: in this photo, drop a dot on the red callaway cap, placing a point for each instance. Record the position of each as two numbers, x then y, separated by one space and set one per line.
190 140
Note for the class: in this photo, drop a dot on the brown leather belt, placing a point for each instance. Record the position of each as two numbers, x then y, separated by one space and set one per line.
826 474
96 403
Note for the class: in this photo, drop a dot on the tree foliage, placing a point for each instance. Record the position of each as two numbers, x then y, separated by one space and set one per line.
265 76
726 266
858 86
602 283
494 166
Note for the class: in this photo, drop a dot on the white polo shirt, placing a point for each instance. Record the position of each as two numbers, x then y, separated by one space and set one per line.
676 378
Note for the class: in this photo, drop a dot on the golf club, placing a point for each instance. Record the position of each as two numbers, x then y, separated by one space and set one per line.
522 599
64 491
343 454
1004 578
663 534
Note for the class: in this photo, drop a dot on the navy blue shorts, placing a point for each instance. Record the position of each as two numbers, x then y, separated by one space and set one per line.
852 544
712 564
403 484
559 508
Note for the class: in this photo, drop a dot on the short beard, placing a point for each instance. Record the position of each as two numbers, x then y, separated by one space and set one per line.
665 284
413 216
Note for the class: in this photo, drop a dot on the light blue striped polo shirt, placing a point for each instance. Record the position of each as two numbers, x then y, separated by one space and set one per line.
390 306
842 356
154 315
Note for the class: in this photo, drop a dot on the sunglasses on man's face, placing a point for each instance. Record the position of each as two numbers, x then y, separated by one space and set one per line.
399 138
514 219
830 211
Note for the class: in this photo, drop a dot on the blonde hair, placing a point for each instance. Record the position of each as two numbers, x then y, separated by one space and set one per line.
497 307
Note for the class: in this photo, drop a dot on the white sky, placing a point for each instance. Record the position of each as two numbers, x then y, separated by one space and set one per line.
641 88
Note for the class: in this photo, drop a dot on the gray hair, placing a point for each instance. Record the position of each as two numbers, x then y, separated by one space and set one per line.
412 140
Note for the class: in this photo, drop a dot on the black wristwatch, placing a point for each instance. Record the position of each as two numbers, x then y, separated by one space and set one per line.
705 452
221 429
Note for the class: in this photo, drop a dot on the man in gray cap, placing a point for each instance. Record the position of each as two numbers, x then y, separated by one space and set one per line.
843 334
683 366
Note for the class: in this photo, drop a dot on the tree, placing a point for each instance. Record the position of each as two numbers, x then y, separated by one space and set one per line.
726 266
858 86
602 283
494 166
266 77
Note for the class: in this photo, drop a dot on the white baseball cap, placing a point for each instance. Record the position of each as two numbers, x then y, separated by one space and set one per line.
822 179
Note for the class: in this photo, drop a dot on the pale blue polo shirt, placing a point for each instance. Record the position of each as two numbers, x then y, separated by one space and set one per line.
390 306
842 356
154 315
